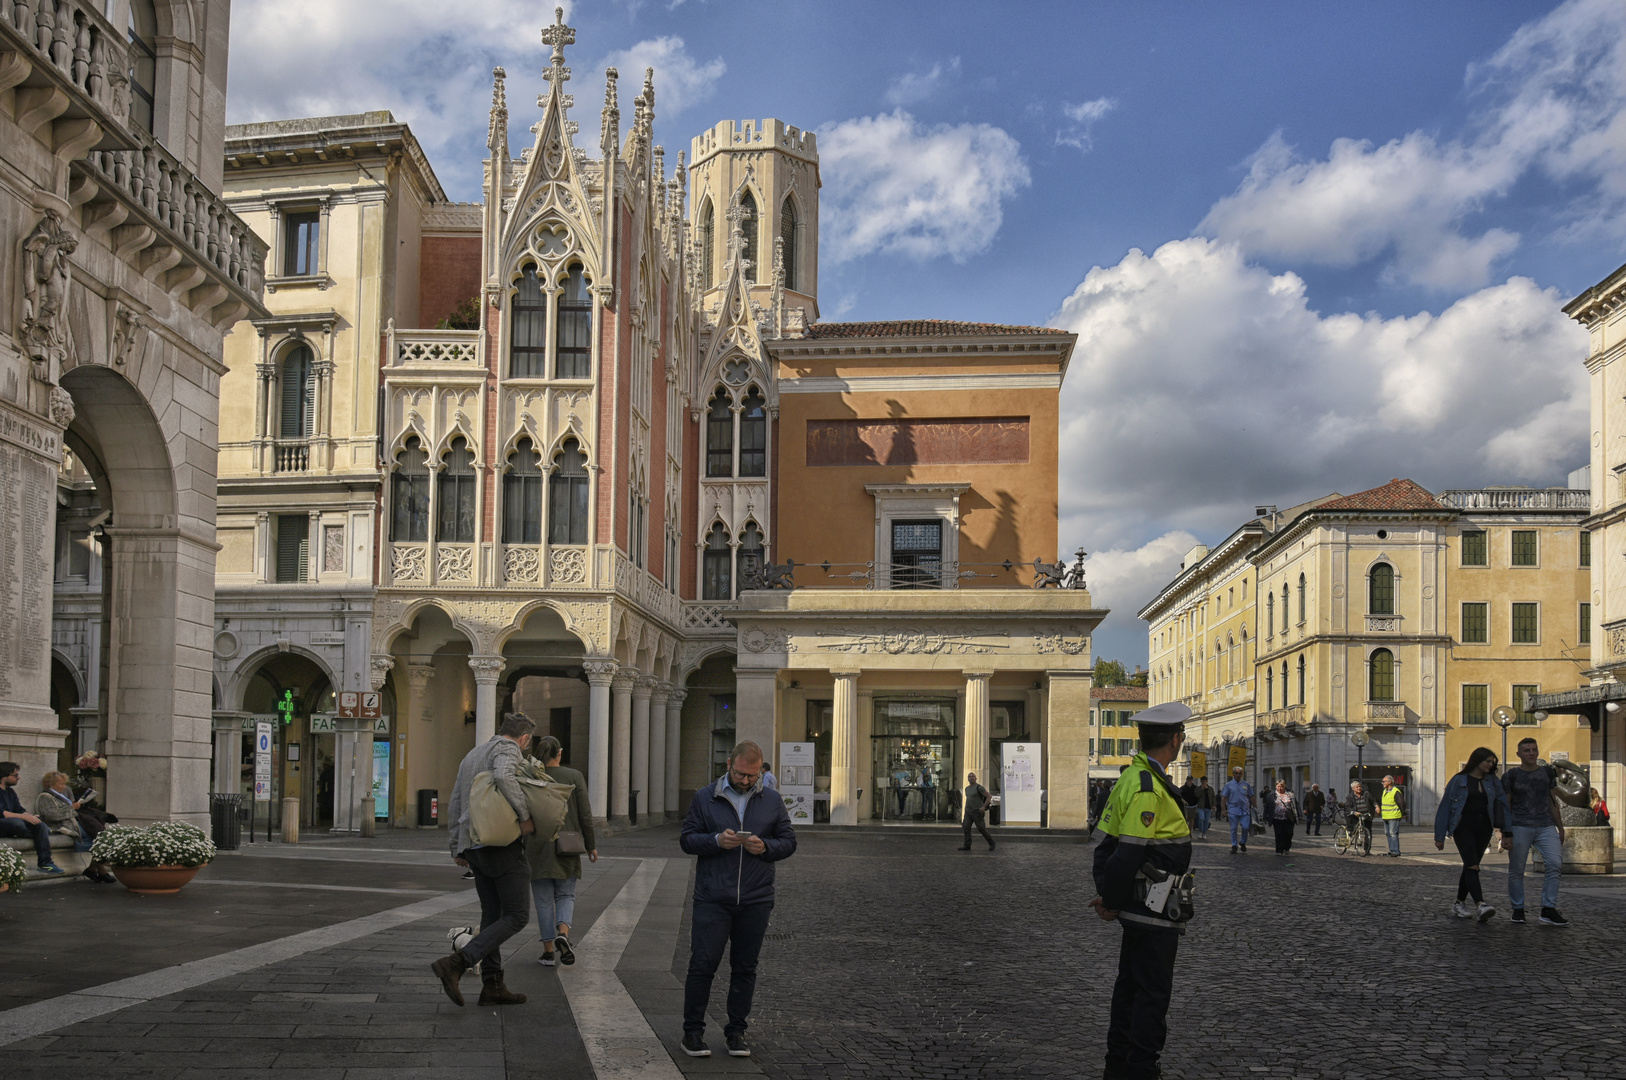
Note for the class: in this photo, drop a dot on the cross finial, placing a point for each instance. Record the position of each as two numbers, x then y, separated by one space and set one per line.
558 35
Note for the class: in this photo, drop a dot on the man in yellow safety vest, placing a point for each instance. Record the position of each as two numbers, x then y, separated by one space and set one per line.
1392 803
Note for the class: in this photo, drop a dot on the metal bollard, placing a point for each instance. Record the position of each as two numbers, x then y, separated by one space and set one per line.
290 821
369 824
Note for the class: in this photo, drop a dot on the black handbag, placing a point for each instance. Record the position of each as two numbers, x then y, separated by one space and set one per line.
569 843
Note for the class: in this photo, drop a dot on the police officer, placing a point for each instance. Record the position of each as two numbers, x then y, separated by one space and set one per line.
1146 841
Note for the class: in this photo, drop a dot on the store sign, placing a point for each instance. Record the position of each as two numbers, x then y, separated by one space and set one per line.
262 761
323 725
1019 781
795 776
361 704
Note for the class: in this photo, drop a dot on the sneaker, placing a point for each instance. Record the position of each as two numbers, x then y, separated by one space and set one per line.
546 960
1518 915
1244 849
695 1046
1233 849
468 875
561 945
1461 910
1552 917
51 868
736 1046
1486 912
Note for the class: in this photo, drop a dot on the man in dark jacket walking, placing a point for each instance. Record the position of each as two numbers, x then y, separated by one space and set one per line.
976 808
739 830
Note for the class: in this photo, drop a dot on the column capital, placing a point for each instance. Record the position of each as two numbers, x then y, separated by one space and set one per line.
419 676
643 686
852 674
623 682
977 676
379 669
487 669
676 697
662 689
599 672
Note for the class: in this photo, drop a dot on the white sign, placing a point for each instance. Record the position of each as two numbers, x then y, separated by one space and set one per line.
1019 776
794 771
323 725
262 761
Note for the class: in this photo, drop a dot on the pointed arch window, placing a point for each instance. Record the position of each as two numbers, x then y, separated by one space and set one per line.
1270 692
748 233
567 496
787 234
143 63
409 495
1284 684
298 377
454 492
754 435
638 535
1285 596
1303 591
1301 678
750 554
720 435
1381 590
716 564
522 496
575 349
708 245
528 345
1270 614
1381 676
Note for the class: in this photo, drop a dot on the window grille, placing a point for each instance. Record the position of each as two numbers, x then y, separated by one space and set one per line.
917 554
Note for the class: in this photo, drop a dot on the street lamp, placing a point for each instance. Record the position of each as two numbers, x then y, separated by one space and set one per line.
1360 739
1504 718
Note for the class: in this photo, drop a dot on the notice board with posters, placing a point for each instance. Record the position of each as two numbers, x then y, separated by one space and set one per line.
1199 765
794 771
1019 783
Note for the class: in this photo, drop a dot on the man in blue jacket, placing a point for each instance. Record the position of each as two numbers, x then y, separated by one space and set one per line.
739 830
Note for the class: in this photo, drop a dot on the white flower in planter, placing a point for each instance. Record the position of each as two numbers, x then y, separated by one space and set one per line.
13 869
167 843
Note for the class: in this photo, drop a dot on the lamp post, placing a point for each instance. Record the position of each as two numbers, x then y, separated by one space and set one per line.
1504 718
1360 739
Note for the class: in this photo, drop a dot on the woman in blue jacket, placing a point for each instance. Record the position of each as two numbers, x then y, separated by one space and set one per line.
1474 806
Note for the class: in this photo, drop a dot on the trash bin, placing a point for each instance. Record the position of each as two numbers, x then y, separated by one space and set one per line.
226 820
428 808
632 808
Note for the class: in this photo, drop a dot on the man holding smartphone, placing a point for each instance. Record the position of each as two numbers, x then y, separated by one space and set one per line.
739 831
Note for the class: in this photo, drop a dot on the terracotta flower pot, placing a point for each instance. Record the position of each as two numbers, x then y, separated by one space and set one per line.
155 880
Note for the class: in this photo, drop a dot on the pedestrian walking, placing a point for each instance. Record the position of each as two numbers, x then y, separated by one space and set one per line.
737 830
1205 807
1392 804
976 808
1361 809
1283 817
1473 806
1142 876
1315 804
556 865
501 874
1238 797
1532 795
1188 795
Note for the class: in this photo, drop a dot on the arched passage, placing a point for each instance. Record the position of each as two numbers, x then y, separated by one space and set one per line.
544 678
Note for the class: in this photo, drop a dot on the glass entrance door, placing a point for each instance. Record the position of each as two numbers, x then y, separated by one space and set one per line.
914 762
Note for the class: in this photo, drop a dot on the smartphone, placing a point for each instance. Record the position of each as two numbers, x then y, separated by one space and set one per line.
744 835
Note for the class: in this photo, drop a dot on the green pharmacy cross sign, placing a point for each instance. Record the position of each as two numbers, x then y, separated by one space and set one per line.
287 705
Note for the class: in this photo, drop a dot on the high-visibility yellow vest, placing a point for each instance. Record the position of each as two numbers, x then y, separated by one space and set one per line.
1142 810
1391 804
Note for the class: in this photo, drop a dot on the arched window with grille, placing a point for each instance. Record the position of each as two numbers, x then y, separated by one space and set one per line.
750 554
749 234
787 235
1381 676
708 244
409 495
298 394
720 435
454 495
754 435
567 496
1301 678
528 341
715 566
1270 692
522 496
1270 614
143 64
1303 591
574 356
1284 684
1380 590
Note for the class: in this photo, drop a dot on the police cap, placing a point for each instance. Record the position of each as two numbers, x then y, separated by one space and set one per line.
1170 714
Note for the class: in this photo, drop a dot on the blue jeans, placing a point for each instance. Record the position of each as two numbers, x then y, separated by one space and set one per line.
1312 821
741 927
1391 829
1202 820
555 903
40 834
1240 821
1544 838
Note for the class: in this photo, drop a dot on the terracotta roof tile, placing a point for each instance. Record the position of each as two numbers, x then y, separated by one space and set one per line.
1118 693
921 328
1397 494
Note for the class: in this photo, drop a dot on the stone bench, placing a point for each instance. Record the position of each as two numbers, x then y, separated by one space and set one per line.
72 862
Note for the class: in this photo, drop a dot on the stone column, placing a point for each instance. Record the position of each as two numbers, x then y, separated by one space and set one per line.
976 726
843 748
756 706
487 670
642 691
228 774
620 746
419 676
599 673
653 802
674 752
1068 708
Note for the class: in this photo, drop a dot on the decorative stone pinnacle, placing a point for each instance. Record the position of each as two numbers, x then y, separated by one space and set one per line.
497 135
558 35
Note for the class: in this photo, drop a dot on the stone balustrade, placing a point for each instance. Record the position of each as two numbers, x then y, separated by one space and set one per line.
57 44
439 348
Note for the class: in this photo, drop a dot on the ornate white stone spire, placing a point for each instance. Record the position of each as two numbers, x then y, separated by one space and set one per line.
497 134
610 129
558 35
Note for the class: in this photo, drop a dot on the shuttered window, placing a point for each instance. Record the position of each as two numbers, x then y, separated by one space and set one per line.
1475 624
298 402
293 547
1475 704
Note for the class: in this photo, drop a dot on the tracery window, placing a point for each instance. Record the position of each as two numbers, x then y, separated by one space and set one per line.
748 233
787 234
720 435
754 435
522 496
708 244
454 490
567 496
715 566
575 351
409 495
528 342
750 553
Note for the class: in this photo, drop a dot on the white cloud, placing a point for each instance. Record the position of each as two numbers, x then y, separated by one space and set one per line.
893 185
680 81
1083 118
1202 384
912 88
1554 100
1123 579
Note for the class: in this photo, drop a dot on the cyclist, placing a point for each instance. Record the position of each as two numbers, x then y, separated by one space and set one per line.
1361 808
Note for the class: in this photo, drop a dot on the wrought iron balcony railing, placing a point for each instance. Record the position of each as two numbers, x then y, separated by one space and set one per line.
916 574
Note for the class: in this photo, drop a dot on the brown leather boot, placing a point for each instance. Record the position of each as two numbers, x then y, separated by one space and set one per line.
450 969
493 992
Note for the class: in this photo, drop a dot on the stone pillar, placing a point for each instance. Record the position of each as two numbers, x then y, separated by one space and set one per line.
620 746
976 727
653 802
228 771
419 676
674 752
87 722
352 771
843 749
599 673
756 707
487 670
1068 709
642 691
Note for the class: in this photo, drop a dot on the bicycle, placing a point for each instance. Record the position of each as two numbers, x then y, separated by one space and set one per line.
1359 837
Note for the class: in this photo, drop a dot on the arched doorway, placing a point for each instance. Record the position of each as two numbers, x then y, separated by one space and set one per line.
295 694
544 679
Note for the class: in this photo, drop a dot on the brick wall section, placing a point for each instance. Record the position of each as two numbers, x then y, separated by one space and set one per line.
657 439
448 274
623 387
687 554
607 338
488 478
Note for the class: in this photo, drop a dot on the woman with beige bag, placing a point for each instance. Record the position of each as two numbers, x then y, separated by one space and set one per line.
556 864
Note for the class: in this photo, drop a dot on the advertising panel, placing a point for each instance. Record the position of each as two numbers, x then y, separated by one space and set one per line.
1019 775
794 770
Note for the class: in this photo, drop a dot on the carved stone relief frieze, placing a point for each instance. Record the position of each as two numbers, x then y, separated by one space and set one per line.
454 563
1059 641
567 566
759 639
409 562
901 641
520 565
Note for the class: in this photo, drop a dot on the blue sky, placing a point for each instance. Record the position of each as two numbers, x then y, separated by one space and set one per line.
1307 247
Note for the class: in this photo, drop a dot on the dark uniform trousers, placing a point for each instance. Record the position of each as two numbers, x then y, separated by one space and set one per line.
1140 1002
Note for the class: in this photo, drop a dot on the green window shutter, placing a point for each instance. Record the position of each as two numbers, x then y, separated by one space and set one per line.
1475 624
293 539
1475 704
1586 622
1475 551
1524 547
1525 627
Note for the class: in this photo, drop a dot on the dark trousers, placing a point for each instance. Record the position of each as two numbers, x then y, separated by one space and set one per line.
977 820
741 927
40 833
1284 834
1140 1002
502 878
1313 819
1471 838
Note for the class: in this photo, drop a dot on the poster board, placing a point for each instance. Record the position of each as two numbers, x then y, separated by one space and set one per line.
794 771
1238 759
381 779
1020 768
262 761
1199 764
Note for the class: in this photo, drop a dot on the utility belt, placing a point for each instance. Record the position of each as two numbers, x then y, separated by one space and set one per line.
1166 893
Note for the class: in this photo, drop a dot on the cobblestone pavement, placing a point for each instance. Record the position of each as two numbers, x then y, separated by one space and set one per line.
888 957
